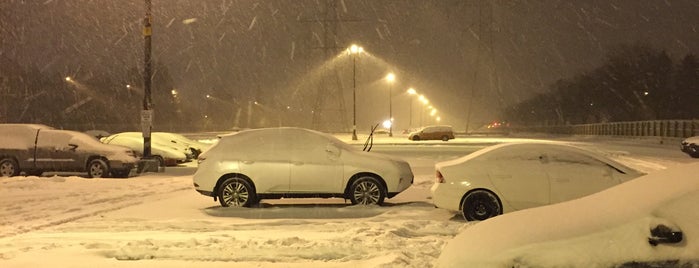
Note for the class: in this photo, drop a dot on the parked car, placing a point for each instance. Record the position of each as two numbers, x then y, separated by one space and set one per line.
245 167
650 221
166 153
691 146
35 149
514 176
444 133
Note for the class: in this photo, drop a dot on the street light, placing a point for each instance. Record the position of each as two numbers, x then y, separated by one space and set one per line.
390 78
353 51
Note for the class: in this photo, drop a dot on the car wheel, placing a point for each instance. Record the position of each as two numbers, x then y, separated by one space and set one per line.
96 169
416 138
694 151
161 161
8 167
480 205
236 192
367 191
445 138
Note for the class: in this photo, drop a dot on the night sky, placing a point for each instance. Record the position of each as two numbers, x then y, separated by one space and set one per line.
488 54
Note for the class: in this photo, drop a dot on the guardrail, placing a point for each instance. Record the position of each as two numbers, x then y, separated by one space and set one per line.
654 128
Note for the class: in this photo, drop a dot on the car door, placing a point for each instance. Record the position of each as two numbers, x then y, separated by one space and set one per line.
264 159
316 166
53 151
518 175
575 175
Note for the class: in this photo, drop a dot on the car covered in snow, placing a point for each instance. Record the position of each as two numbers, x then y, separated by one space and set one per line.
247 166
651 221
514 176
34 149
691 146
162 150
444 133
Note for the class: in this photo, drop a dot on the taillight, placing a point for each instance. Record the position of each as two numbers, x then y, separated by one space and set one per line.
438 177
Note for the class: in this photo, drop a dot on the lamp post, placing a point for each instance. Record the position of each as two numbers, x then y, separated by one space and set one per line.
411 91
425 102
390 77
353 51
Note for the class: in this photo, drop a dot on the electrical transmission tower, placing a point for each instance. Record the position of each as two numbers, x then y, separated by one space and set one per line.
329 112
485 55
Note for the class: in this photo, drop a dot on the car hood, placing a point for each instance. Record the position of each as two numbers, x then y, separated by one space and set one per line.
691 140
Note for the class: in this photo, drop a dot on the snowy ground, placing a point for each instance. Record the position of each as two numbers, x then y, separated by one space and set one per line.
157 219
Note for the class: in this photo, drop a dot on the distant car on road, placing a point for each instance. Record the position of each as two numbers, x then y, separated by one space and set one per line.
650 221
514 176
272 163
691 146
444 133
35 149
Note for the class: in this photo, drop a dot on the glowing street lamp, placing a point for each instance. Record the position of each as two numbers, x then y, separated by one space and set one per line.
353 51
68 79
390 78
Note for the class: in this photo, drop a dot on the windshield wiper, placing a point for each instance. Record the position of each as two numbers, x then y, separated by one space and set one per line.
370 140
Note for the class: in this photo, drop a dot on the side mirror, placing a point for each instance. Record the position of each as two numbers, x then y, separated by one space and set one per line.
332 150
662 234
73 147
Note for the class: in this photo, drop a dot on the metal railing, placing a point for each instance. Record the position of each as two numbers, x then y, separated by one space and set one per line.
654 128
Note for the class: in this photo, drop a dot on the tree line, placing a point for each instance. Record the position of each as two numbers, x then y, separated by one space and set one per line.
635 83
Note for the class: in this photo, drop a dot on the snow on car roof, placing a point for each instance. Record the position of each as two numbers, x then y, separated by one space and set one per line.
585 226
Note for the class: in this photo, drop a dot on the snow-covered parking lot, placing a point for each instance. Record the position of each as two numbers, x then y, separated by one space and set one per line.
158 220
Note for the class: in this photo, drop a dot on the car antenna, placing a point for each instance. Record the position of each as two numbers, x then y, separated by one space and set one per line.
370 140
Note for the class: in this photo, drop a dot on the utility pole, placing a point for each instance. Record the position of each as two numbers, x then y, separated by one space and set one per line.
147 112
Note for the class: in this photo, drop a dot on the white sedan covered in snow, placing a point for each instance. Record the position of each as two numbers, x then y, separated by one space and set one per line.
514 176
250 165
651 221
165 153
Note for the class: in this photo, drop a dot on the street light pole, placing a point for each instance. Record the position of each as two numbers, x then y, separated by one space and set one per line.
353 51
354 97
411 91
390 77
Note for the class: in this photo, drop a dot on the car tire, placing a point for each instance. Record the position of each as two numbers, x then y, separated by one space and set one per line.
445 138
416 138
8 167
236 192
367 191
480 205
97 169
161 161
693 151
